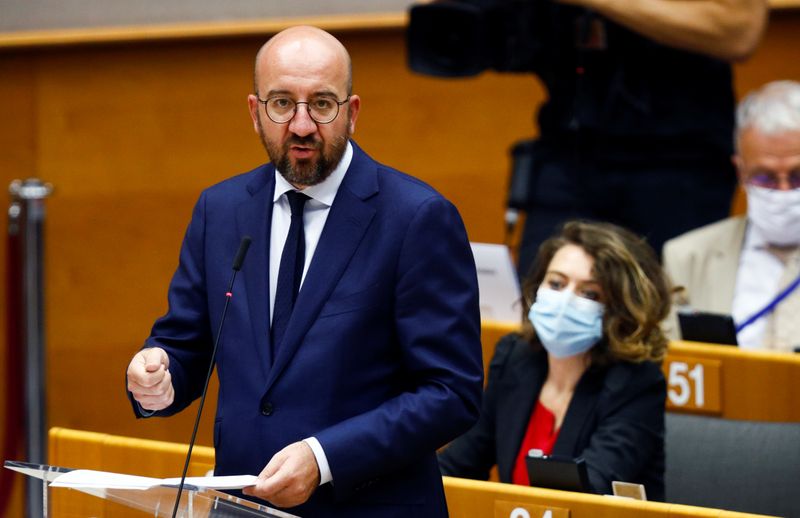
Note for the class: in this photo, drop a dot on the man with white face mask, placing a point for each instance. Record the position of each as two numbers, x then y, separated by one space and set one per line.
749 266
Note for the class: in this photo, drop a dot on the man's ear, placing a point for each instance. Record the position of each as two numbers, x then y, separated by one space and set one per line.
355 107
252 105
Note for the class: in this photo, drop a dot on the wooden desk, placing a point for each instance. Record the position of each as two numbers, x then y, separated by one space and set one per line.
472 498
467 498
733 383
104 452
715 380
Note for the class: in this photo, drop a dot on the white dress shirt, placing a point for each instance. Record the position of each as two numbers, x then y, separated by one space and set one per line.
315 214
757 283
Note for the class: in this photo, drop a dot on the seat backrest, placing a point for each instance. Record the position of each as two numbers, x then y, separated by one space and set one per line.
746 466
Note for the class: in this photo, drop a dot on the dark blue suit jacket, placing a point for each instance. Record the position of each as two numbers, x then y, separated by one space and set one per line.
381 360
615 421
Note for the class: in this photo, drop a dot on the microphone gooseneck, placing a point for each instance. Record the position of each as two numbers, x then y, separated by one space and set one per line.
237 265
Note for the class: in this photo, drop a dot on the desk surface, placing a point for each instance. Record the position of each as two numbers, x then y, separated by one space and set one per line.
470 498
465 498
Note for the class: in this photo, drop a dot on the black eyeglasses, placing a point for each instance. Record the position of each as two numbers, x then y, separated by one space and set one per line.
322 109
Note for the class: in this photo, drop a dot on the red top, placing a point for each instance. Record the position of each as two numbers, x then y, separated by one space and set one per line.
541 435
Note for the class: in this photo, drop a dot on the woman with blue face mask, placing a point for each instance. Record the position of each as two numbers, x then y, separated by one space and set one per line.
583 378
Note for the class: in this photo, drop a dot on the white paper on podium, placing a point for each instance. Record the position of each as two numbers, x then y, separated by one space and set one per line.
87 479
497 282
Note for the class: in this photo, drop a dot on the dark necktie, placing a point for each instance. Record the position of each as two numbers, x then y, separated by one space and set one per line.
291 270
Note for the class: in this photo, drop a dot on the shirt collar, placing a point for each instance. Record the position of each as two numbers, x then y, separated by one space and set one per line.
323 192
753 239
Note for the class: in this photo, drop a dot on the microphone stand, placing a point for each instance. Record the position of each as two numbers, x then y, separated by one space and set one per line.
237 265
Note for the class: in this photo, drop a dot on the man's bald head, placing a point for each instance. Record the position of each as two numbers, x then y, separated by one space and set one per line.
298 44
300 73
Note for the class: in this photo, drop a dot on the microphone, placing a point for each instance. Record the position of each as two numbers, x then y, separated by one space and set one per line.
237 265
244 246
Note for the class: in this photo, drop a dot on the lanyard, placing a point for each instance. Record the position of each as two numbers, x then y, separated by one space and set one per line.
771 306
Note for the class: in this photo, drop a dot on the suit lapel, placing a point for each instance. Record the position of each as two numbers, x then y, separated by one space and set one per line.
253 218
582 405
728 250
782 324
348 219
517 406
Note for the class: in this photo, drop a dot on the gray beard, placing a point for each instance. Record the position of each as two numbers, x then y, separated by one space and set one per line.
307 172
311 172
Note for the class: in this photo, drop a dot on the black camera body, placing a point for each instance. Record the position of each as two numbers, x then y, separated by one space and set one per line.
461 38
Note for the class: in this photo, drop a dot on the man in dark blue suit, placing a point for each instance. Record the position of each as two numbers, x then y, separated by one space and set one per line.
338 393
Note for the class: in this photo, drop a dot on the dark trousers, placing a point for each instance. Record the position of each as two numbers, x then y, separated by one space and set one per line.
658 198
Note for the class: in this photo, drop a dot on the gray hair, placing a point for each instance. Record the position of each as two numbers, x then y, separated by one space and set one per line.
773 108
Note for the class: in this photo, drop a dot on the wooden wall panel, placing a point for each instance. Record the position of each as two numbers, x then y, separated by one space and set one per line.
129 134
131 138
454 134
777 57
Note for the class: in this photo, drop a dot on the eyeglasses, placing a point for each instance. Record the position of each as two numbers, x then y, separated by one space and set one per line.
322 109
771 181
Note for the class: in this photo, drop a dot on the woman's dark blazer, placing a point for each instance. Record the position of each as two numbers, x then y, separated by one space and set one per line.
615 421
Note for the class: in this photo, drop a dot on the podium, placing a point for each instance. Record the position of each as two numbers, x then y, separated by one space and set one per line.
158 501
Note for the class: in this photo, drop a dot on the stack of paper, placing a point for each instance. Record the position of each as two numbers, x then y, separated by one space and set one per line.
87 478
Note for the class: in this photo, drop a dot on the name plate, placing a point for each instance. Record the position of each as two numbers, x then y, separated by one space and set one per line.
505 509
693 384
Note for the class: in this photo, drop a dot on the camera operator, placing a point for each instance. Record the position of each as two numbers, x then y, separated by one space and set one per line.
638 126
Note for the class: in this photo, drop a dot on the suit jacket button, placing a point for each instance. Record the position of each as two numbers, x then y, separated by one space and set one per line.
266 408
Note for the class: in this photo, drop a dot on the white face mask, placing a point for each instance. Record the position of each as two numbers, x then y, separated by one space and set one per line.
565 323
776 214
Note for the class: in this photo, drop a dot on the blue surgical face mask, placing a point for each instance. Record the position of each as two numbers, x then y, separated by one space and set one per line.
565 323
